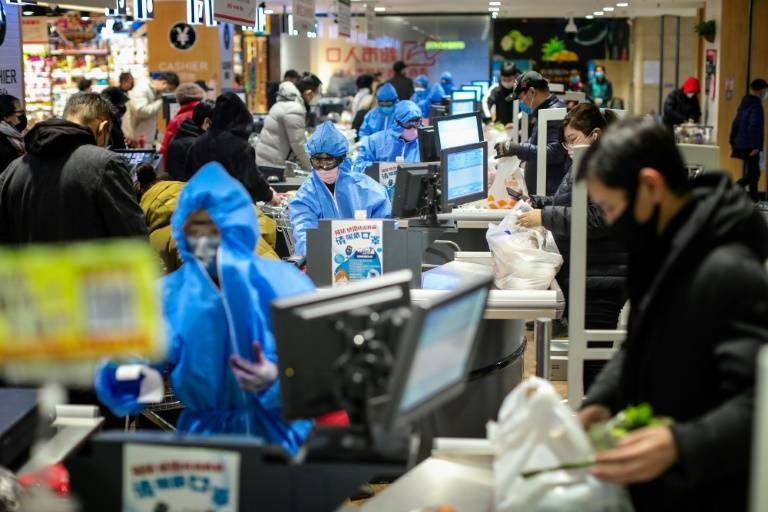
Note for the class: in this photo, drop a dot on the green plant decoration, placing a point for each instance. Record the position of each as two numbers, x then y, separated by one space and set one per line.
706 29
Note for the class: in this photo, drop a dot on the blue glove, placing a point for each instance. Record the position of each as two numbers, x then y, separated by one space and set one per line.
120 397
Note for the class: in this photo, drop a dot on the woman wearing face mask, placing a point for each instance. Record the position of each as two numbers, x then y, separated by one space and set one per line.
380 117
333 191
682 105
600 90
399 143
606 255
13 122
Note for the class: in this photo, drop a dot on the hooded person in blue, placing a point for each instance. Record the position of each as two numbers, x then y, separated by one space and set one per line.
446 80
333 191
434 97
421 89
380 117
217 310
400 140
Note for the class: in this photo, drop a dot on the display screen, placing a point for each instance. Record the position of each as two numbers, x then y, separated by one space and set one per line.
457 132
464 172
462 107
483 85
462 95
444 348
476 89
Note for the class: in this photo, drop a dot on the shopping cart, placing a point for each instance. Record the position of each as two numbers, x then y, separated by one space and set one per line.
283 220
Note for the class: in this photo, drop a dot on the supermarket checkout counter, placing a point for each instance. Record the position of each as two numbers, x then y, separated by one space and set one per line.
288 184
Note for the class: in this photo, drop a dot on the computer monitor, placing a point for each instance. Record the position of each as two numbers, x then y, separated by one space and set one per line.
463 175
462 95
700 158
463 107
427 145
435 353
484 86
132 158
314 333
170 109
477 90
411 197
458 130
437 111
759 493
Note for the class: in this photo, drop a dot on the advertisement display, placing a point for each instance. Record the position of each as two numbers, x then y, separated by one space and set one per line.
343 18
184 479
304 16
11 68
357 250
242 12
371 28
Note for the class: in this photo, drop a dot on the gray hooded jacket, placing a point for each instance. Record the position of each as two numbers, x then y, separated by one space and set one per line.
283 136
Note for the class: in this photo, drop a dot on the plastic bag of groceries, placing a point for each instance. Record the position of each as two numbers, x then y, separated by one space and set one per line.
542 457
523 258
508 187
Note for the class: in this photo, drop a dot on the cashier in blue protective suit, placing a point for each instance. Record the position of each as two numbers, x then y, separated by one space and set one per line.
333 191
446 80
434 97
222 351
380 117
399 143
421 89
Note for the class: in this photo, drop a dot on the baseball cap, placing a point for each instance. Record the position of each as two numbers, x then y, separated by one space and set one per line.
527 80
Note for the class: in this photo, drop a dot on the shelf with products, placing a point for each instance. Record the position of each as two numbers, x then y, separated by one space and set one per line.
69 67
37 82
128 54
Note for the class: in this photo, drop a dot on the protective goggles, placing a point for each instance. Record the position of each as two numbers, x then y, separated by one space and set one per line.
413 123
326 162
386 103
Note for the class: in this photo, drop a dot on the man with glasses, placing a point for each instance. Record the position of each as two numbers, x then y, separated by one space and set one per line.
68 186
380 117
398 143
533 92
333 191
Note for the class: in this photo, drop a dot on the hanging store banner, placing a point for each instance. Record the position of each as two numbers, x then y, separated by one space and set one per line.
175 478
11 67
304 16
34 30
357 250
343 18
371 28
241 12
144 9
200 12
227 55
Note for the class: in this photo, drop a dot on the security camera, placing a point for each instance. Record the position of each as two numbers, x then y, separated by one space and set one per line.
571 29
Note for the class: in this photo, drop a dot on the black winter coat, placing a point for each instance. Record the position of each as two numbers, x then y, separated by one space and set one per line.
403 85
606 255
679 108
8 153
556 154
227 143
699 316
66 188
178 149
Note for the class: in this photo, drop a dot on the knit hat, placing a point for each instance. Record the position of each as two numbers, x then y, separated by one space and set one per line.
691 85
189 92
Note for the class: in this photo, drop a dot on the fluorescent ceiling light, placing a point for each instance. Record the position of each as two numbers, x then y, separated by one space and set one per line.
608 9
590 17
598 13
269 11
622 4
493 9
379 9
28 13
494 3
494 15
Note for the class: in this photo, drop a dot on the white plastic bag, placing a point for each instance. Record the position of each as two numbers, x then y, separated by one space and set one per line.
536 431
509 177
523 258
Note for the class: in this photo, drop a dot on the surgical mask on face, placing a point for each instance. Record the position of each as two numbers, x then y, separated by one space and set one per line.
328 177
634 233
575 80
525 108
599 75
387 110
508 84
690 94
206 250
410 134
22 124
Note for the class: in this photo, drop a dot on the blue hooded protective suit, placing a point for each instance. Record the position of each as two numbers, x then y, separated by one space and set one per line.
352 191
386 146
378 118
435 96
446 80
207 323
422 82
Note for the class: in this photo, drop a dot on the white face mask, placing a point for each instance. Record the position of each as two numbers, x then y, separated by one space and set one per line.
765 95
205 249
328 177
410 134
508 84
690 94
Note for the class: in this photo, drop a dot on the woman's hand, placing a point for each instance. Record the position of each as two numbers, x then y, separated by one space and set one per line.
253 375
643 455
530 219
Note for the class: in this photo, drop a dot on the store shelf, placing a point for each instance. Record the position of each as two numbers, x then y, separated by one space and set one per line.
65 53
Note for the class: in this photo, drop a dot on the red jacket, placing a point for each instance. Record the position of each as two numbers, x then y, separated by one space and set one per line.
184 113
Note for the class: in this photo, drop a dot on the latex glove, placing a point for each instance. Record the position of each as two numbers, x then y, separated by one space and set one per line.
530 219
642 456
253 375
126 396
506 147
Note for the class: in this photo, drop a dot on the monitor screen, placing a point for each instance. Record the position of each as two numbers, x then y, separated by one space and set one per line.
477 90
411 189
436 352
463 106
427 145
458 130
462 95
483 85
321 324
464 173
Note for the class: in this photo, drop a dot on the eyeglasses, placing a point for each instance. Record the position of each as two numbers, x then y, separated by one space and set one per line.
386 103
580 140
413 123
326 162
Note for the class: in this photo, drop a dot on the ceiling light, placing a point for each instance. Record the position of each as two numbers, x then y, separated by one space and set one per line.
28 13
589 17
493 9
379 9
494 3
269 11
598 13
622 4
608 9
494 15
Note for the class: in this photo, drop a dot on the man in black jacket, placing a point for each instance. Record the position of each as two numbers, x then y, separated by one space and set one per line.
402 84
189 131
68 187
533 92
699 294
